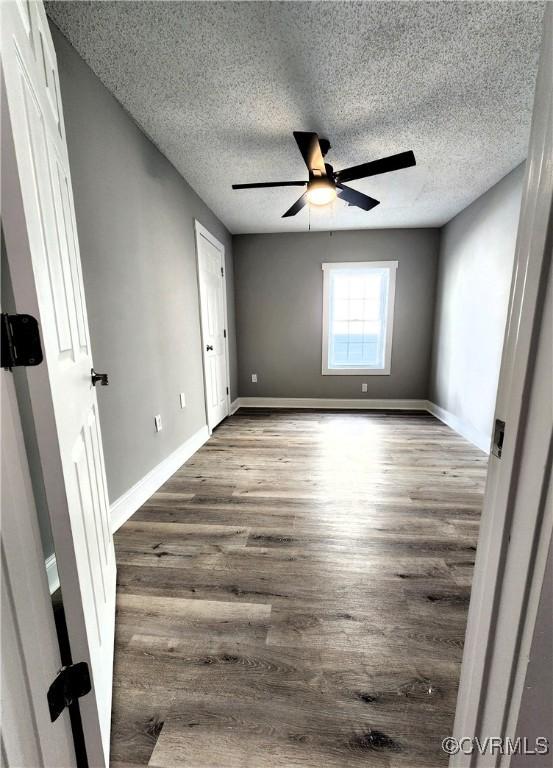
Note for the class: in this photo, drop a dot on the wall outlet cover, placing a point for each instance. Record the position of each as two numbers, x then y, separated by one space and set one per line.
364 387
254 378
157 422
182 400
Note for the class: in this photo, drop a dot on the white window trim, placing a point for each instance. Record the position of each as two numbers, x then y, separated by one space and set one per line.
335 265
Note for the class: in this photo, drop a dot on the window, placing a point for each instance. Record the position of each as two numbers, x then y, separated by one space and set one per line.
358 315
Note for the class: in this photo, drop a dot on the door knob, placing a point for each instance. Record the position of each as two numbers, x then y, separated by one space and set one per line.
101 377
209 348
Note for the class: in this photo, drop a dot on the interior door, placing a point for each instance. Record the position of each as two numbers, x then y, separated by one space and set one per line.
43 253
213 320
30 657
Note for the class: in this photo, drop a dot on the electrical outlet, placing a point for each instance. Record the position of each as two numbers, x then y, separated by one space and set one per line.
157 422
254 378
182 400
364 387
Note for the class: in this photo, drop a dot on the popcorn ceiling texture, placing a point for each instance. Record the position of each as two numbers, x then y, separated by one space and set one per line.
220 86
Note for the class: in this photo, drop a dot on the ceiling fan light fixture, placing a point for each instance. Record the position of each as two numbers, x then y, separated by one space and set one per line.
321 192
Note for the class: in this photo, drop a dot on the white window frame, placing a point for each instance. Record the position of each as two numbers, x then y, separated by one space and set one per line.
327 268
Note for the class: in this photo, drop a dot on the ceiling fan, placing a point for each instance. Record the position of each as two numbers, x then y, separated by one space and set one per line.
325 184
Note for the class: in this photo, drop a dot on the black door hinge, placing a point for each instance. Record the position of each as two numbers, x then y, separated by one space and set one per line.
227 390
498 437
71 684
20 341
222 272
225 333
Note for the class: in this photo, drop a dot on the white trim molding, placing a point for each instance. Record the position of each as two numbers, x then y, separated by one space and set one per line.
463 428
52 573
127 504
234 406
330 403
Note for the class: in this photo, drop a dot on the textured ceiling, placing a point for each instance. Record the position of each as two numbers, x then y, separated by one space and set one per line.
220 86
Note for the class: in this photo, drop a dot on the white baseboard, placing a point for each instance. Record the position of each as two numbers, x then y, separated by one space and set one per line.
234 406
52 573
470 433
127 504
332 403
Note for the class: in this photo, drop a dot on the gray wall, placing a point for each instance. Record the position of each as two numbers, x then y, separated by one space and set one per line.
135 220
279 289
476 261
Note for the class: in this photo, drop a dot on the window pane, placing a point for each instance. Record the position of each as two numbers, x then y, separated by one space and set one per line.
341 351
355 351
341 309
357 317
356 330
356 309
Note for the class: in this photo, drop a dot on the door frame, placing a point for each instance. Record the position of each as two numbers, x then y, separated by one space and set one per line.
201 231
516 524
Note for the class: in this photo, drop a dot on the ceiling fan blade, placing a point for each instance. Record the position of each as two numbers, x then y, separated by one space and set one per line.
270 184
298 205
308 144
353 197
384 165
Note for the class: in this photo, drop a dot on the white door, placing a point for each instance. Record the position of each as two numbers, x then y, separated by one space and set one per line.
211 271
43 253
30 657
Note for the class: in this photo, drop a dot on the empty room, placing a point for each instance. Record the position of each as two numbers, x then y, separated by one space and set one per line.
277 357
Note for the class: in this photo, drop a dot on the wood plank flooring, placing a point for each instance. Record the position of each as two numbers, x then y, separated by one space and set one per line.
296 596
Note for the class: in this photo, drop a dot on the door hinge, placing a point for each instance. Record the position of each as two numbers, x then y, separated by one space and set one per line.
20 341
222 272
225 333
227 390
71 684
498 437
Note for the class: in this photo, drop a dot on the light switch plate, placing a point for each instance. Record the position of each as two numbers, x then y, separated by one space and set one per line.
182 400
157 422
254 378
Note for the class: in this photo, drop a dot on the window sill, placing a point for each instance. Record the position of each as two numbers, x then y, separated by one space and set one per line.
356 372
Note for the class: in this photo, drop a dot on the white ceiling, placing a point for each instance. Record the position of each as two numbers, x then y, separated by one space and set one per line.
220 86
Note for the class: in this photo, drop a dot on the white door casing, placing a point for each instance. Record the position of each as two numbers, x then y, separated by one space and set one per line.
43 253
213 317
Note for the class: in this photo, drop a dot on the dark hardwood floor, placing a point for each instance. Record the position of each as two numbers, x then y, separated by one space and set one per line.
296 596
